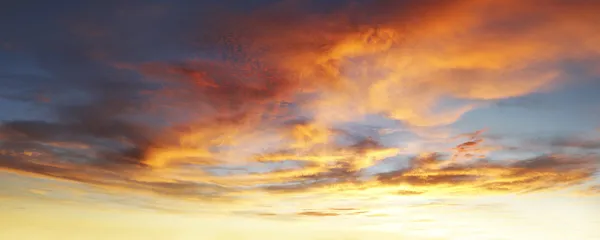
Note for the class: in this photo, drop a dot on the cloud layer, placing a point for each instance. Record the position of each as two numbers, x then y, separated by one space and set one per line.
254 101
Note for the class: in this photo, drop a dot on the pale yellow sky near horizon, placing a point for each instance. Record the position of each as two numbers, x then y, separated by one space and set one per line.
30 214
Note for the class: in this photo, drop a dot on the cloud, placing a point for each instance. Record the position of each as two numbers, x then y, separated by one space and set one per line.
333 165
111 179
38 191
434 174
318 214
405 62
590 191
408 192
270 47
430 174
267 214
576 142
332 212
343 209
165 103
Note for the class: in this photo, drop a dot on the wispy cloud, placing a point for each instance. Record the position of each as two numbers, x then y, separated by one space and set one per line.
590 191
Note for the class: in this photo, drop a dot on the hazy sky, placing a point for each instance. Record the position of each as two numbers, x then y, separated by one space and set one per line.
381 119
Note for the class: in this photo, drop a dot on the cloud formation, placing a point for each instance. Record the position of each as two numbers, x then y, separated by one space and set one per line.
253 101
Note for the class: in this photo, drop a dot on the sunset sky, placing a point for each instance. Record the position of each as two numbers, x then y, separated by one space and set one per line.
300 120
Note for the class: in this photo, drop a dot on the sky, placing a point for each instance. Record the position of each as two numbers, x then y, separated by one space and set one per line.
288 119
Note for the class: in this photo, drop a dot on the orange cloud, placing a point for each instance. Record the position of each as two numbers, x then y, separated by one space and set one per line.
395 59
404 63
